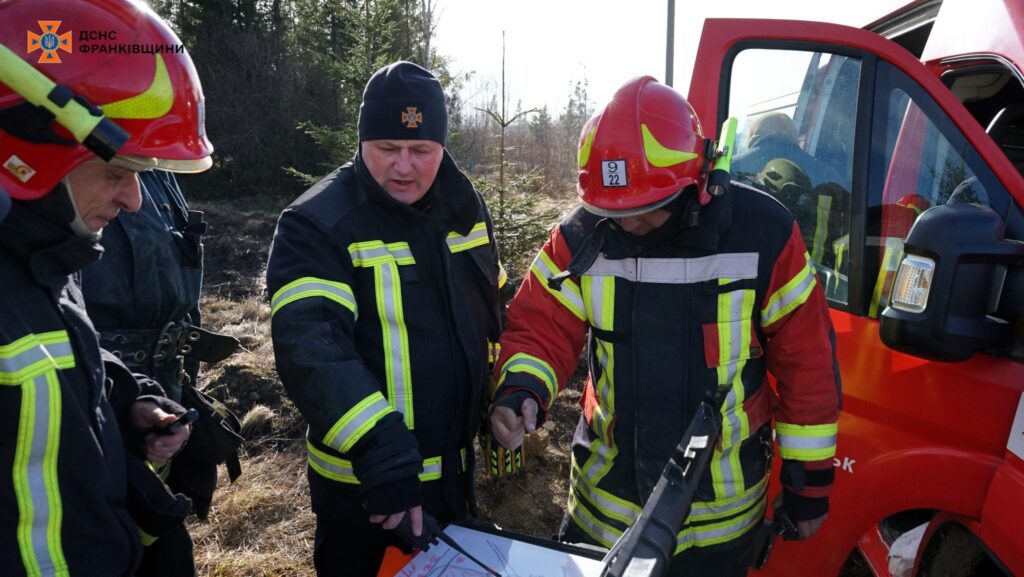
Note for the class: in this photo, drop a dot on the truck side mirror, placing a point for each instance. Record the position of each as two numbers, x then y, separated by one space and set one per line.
946 300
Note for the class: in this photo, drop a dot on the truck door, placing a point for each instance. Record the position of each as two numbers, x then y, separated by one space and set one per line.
857 138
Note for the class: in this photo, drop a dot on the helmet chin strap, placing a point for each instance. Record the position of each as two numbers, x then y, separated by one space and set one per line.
78 225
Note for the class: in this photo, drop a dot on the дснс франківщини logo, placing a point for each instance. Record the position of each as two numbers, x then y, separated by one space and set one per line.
49 42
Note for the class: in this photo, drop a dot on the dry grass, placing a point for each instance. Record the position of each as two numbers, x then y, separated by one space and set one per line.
261 525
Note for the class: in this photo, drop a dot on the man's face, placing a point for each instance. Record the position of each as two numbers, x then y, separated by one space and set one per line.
102 190
404 168
644 223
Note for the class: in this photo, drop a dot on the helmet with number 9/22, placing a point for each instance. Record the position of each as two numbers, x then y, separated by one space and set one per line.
640 152
117 58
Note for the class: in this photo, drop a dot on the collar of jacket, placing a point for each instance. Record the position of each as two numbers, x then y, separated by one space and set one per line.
50 251
714 219
455 207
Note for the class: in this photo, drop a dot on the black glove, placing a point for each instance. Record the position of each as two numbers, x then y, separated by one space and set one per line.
388 463
795 479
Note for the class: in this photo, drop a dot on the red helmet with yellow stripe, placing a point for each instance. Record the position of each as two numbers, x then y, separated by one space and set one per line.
116 55
641 151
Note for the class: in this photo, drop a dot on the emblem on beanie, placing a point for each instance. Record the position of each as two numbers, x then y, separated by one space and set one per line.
411 118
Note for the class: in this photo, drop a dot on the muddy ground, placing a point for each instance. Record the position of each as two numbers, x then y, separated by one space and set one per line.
261 525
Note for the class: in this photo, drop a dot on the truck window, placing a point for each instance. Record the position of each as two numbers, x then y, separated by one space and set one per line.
919 160
797 111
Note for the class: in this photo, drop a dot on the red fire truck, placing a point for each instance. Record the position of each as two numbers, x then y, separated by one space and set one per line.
916 230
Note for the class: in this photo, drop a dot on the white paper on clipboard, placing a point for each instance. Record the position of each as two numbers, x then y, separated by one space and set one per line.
507 556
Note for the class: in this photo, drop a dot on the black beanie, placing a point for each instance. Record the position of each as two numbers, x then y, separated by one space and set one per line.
403 101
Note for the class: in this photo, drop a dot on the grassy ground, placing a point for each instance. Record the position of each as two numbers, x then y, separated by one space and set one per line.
262 525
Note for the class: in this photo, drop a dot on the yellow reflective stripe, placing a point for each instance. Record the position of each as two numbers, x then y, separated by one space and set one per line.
839 247
502 275
821 227
721 508
34 476
476 237
721 532
307 287
609 505
890 262
792 294
374 252
584 153
659 155
356 422
599 300
33 355
329 466
340 470
569 295
601 532
524 363
146 538
431 469
154 102
734 350
807 442
602 457
395 337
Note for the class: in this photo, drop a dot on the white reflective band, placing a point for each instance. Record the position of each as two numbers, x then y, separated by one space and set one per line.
308 287
742 265
569 294
31 356
791 295
396 340
476 237
805 443
375 252
356 422
523 363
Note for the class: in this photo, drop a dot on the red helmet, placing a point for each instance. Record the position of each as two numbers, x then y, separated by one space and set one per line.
117 55
641 151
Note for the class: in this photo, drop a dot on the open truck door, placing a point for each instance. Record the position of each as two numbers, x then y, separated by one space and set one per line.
859 139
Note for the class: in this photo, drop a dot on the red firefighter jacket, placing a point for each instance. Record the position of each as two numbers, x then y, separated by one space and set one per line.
668 317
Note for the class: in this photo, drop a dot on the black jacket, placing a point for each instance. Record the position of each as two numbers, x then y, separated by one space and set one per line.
63 482
381 318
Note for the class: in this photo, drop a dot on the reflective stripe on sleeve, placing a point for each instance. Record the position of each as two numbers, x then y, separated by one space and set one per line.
308 287
543 268
807 442
356 422
32 363
792 294
524 363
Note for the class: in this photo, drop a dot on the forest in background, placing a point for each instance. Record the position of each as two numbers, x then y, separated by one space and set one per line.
283 81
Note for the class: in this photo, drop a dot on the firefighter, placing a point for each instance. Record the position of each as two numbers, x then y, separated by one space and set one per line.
774 135
143 298
674 298
384 293
79 498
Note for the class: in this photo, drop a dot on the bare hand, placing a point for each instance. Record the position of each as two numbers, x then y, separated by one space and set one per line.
392 521
806 529
510 429
146 415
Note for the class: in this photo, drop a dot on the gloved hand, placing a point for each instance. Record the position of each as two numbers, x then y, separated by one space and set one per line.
388 464
512 418
806 528
805 488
